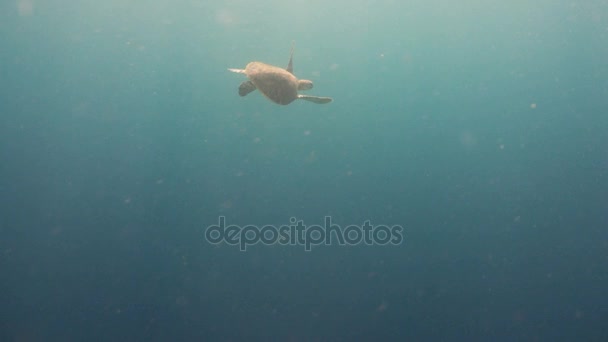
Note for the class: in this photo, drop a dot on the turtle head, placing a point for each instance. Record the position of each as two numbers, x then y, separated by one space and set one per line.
304 84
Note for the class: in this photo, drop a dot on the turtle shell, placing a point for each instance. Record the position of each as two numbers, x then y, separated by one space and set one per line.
277 84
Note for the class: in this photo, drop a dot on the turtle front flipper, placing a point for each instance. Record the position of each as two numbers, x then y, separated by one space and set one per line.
246 88
315 99
290 65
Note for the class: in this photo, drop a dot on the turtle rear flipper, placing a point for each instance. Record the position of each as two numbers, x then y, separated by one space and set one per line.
246 88
238 71
315 99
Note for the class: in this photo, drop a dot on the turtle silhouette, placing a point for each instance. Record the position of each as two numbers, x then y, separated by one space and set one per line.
279 85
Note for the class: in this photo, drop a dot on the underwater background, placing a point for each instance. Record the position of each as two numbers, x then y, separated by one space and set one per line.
480 127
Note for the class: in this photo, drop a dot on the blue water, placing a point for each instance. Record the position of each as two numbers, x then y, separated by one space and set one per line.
480 127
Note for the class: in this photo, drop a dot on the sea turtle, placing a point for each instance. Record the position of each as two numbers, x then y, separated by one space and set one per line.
277 84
